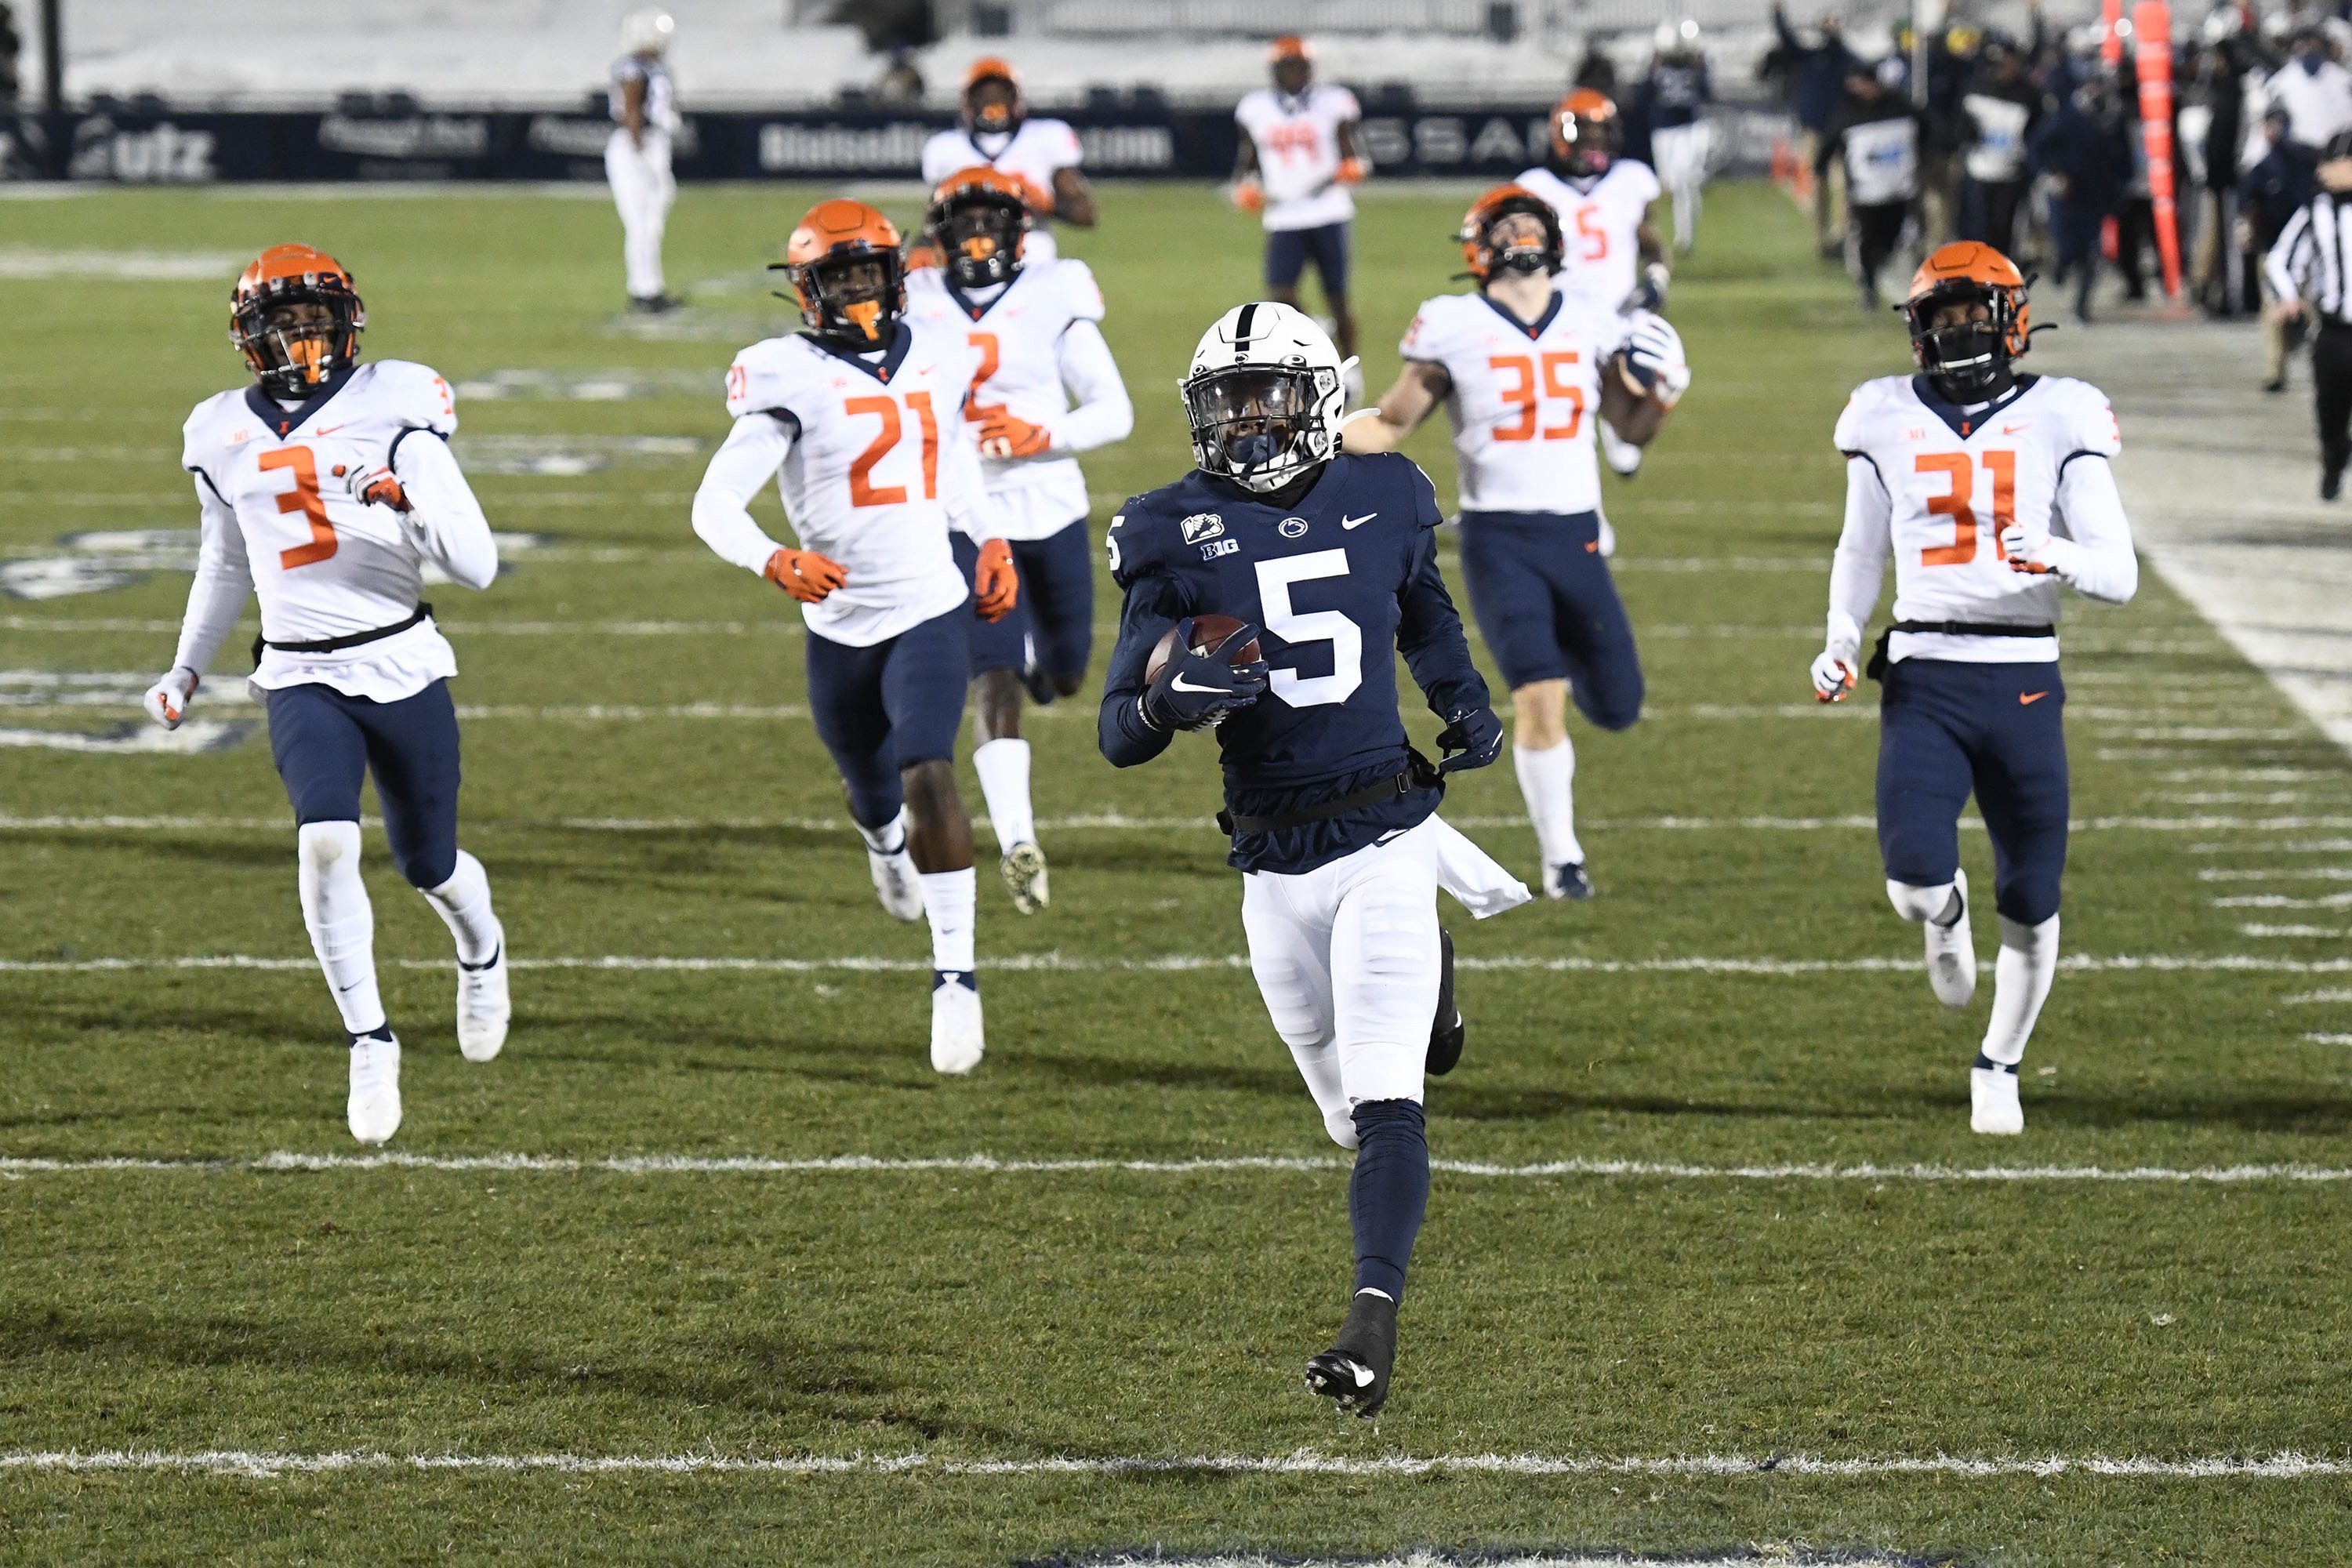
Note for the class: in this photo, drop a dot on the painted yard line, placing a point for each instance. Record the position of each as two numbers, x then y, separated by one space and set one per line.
1057 962
463 628
2252 775
2282 901
1302 1462
2304 847
2309 998
2236 797
2211 733
2324 1039
2290 932
2275 874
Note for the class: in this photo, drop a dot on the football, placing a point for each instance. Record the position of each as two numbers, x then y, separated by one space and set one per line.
1208 631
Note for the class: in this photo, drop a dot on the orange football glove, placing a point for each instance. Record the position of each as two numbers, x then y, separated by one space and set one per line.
996 585
372 486
804 574
1004 434
1249 195
1351 171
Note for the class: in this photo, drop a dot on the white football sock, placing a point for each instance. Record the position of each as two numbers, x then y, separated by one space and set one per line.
1004 769
948 900
2020 983
1544 778
463 902
342 921
1915 903
890 838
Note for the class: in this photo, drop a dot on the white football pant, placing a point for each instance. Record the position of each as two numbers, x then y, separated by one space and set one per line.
1347 958
1682 168
643 190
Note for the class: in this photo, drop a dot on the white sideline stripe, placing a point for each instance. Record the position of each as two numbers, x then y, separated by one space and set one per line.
1305 1462
2324 1039
284 1163
1178 963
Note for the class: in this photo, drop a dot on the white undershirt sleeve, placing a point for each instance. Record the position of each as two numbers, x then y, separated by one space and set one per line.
963 489
747 460
224 582
444 520
1104 412
2095 557
1859 568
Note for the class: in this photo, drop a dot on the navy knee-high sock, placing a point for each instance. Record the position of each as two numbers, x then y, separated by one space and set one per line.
1388 1192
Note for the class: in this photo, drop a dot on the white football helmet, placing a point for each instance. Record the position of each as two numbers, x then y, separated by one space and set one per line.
1265 395
647 32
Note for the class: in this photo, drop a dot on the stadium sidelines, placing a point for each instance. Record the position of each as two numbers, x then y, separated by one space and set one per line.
267 1464
17 1167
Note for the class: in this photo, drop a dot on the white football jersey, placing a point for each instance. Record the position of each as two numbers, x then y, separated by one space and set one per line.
322 564
1297 141
862 484
1018 339
1603 259
1038 151
1953 479
1524 399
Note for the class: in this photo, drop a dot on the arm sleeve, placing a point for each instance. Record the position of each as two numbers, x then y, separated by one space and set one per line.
754 449
1430 635
2290 257
1104 414
444 522
224 582
1859 568
1153 604
963 486
2101 564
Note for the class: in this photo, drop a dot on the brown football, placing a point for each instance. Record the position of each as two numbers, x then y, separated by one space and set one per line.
1208 631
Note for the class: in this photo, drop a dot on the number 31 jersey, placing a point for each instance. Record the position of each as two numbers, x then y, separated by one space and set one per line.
322 564
1523 398
1952 479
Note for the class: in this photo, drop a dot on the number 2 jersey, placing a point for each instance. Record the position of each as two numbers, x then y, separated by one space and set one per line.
1523 398
875 464
1932 484
1339 582
277 519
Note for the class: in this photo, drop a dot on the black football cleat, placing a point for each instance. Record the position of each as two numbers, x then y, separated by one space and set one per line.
1569 881
1446 1032
1354 1373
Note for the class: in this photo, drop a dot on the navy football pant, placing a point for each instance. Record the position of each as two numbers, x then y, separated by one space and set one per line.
325 743
889 706
1289 250
1056 614
1549 610
1947 729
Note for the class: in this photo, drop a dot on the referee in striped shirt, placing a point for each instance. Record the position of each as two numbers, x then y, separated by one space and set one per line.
2310 268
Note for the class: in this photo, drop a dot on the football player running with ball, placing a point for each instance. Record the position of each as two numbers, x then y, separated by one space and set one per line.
1326 565
858 418
1034 326
1524 372
1966 473
326 488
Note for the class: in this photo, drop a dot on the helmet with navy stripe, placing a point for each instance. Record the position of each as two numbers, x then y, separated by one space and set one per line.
1265 395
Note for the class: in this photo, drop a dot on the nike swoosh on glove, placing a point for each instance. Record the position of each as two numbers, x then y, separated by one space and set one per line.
1472 738
1201 688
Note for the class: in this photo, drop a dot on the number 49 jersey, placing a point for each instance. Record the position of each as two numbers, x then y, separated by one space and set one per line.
1947 480
1524 398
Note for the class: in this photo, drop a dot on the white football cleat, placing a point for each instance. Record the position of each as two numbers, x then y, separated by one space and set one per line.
373 1108
483 1007
1623 457
1023 869
1992 1101
897 883
957 1038
1952 953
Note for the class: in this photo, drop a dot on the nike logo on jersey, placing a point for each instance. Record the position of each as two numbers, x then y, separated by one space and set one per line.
326 430
2026 697
1181 684
1357 522
2013 429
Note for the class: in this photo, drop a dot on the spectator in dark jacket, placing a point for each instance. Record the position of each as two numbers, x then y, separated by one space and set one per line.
2085 149
2278 186
1817 76
1999 115
1875 139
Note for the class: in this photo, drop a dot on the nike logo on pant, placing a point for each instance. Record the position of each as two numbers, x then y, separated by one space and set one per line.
2024 697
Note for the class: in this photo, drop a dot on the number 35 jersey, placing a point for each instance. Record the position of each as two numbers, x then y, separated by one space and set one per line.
1943 481
322 564
1524 397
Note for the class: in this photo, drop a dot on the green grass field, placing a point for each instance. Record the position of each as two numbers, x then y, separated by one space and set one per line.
636 795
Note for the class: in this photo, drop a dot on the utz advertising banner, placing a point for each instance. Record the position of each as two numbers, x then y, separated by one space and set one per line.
2152 52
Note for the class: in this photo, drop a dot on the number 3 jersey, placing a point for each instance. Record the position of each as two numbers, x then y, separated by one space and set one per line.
323 564
1523 398
1339 582
1934 484
875 465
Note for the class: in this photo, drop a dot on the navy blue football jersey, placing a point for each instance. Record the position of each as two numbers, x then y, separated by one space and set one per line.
1677 91
1338 582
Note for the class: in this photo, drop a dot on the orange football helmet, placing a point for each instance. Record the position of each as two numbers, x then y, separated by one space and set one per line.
1003 114
1484 257
1291 50
847 274
1585 133
297 319
979 220
1966 360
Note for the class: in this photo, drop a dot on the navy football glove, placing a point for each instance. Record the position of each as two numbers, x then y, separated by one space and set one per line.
1472 738
1199 689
